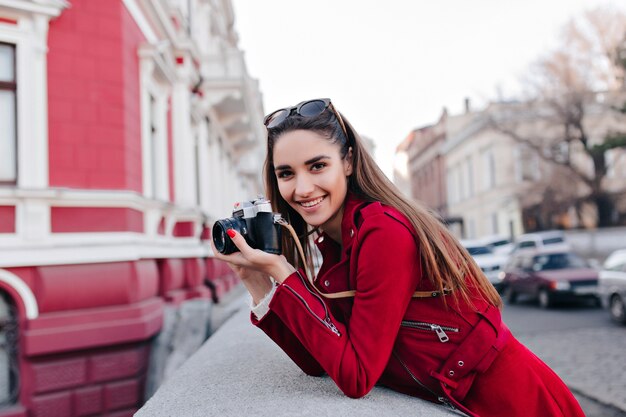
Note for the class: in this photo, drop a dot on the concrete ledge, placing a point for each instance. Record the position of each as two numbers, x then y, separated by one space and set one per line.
239 371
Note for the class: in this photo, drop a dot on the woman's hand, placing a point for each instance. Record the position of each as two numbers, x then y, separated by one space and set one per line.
249 262
255 267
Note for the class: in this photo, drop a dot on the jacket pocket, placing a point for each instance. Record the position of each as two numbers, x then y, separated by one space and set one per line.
440 330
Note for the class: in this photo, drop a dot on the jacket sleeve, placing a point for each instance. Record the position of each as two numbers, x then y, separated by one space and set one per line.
274 327
355 354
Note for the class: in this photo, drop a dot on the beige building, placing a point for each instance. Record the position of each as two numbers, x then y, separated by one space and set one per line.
426 165
483 174
495 184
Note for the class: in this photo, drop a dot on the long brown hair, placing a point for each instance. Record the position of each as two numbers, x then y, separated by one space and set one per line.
445 262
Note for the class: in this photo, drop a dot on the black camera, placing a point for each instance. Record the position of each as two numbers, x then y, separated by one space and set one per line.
255 221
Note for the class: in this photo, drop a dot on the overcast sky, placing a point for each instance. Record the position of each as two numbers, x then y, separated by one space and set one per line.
391 66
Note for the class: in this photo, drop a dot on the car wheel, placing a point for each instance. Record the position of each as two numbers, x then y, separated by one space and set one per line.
545 299
510 295
617 309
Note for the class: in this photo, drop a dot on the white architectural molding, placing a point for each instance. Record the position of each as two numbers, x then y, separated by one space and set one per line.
24 292
184 160
65 197
49 8
33 226
154 146
141 21
120 250
30 36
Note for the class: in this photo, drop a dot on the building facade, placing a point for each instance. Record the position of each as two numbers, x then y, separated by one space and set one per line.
426 166
497 184
127 127
481 183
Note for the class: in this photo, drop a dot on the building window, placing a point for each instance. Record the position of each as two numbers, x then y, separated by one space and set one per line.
489 170
197 165
450 186
462 194
154 108
526 164
8 115
469 176
615 159
9 367
494 223
471 229
153 114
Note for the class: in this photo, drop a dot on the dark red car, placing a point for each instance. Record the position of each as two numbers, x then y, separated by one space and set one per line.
550 277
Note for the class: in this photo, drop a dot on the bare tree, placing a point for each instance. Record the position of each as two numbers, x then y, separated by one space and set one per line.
569 116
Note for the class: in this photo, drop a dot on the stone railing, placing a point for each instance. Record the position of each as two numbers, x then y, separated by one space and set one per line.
239 371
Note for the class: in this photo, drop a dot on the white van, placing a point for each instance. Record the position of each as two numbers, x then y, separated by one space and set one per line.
548 240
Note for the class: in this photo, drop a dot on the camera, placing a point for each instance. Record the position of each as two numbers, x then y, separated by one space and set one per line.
255 221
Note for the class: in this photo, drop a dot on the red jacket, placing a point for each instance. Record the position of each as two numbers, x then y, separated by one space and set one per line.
417 346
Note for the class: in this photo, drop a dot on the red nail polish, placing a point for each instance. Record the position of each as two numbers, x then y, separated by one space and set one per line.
231 233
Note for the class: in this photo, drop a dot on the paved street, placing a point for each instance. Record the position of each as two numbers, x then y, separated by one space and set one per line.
583 346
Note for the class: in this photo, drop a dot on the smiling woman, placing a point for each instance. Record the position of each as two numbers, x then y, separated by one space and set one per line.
314 187
397 300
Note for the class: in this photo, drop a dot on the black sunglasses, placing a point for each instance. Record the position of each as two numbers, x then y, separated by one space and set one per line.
308 108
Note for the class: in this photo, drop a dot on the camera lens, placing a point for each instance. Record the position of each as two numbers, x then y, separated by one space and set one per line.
222 241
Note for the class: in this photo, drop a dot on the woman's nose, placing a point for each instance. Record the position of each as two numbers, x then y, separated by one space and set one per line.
304 185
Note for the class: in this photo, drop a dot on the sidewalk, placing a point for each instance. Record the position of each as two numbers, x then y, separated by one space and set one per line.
592 362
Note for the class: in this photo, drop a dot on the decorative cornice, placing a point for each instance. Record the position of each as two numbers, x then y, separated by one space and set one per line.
50 8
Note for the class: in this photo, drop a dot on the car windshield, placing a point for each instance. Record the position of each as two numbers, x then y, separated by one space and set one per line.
478 250
552 240
557 261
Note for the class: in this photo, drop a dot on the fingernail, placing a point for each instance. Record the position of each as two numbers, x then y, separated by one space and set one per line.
231 233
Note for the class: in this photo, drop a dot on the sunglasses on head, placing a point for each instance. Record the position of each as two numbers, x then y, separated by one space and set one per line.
308 108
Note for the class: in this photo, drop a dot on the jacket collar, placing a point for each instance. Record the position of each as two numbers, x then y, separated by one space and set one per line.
351 207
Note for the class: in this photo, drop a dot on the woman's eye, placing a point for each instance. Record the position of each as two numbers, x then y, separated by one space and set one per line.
317 166
283 174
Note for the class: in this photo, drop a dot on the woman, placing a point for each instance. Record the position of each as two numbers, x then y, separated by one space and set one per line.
397 301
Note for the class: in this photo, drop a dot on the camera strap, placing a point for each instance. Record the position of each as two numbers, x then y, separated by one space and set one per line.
349 293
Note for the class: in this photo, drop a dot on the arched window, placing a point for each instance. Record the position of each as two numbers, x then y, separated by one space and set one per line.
9 369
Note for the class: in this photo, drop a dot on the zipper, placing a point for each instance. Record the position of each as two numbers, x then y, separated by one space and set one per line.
420 383
326 321
439 330
442 399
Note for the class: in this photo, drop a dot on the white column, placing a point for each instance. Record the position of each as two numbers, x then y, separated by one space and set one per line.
218 198
222 198
211 172
145 78
184 161
32 104
204 169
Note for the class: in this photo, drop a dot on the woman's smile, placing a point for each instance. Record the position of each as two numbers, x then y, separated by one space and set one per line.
312 204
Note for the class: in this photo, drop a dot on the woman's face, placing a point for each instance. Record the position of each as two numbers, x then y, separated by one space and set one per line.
312 178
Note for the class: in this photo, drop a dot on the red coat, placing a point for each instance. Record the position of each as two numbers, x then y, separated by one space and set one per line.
411 345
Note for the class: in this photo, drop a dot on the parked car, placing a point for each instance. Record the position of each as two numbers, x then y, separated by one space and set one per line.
499 245
490 263
549 277
612 285
553 240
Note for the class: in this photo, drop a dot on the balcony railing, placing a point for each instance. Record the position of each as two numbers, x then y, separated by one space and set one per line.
239 371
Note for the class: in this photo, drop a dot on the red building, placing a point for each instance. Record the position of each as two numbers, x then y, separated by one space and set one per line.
126 128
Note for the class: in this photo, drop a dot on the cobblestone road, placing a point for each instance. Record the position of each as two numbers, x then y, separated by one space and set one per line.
591 361
583 346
